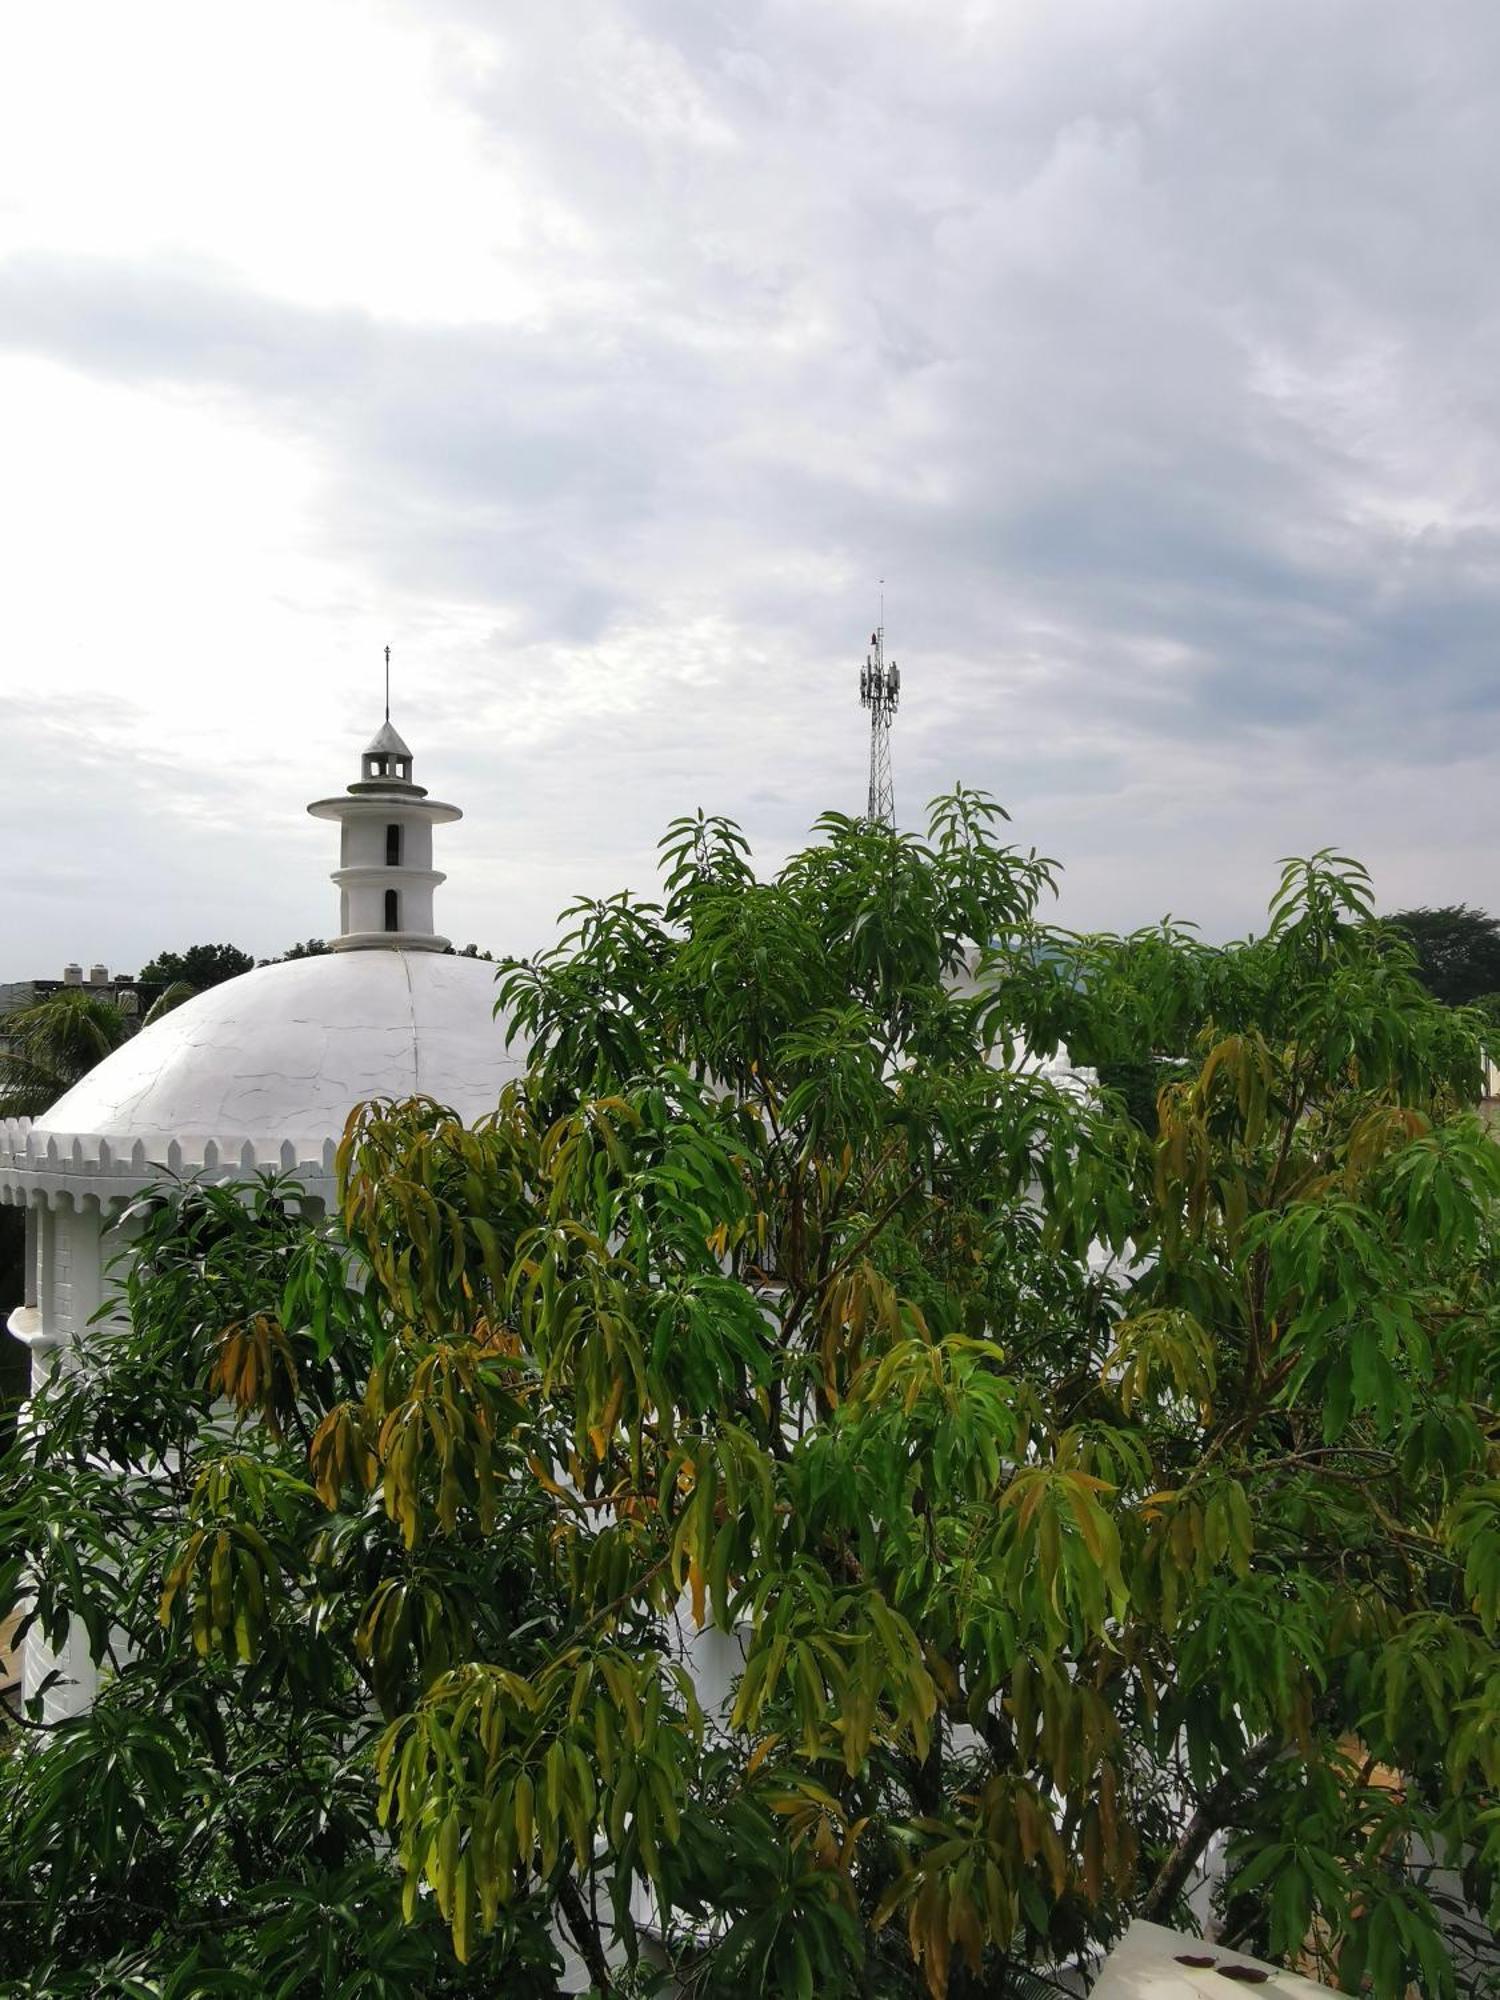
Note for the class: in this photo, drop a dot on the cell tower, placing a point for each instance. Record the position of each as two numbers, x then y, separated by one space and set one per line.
880 693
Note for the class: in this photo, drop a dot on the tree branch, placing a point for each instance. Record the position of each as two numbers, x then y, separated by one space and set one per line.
585 1936
852 1256
1211 1816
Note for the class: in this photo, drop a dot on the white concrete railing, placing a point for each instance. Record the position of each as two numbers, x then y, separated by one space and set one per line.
93 1167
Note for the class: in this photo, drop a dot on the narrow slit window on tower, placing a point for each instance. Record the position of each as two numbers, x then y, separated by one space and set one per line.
393 847
392 910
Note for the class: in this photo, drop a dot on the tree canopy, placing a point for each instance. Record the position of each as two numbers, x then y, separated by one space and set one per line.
47 1047
200 966
1458 951
1066 1497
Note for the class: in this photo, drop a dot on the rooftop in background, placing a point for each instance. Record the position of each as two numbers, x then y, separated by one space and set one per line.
18 993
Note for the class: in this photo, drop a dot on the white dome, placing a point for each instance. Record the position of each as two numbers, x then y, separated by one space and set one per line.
285 1053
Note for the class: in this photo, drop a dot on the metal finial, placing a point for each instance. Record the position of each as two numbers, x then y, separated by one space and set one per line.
387 683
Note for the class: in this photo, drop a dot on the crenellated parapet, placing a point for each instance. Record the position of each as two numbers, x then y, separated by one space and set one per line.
41 1169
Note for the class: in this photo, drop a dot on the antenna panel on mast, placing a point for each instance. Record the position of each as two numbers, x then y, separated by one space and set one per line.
880 693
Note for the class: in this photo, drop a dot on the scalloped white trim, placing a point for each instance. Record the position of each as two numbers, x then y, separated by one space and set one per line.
48 1169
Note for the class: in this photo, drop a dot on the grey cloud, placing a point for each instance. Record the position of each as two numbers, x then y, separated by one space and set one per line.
1146 349
128 849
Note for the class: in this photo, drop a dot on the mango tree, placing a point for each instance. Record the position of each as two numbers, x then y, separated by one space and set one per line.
1078 1503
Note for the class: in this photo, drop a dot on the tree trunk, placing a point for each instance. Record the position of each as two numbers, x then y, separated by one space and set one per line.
1213 1814
585 1936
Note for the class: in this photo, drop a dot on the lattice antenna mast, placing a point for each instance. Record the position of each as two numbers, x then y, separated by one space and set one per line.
880 693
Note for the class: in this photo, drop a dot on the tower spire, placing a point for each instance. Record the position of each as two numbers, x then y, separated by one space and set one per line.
880 693
385 874
387 683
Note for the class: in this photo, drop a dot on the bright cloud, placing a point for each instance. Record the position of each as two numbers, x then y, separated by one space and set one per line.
603 356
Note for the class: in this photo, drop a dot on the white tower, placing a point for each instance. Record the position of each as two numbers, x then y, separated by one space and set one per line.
385 873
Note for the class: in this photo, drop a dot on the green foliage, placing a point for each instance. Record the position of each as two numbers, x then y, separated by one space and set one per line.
1055 1485
200 966
209 1826
1457 950
46 1048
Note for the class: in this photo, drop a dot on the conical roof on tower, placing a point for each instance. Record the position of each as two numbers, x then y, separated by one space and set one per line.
386 738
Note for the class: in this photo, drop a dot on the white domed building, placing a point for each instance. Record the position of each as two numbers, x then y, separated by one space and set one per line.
263 1070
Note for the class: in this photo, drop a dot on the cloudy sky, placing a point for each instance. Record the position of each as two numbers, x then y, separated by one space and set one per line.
602 356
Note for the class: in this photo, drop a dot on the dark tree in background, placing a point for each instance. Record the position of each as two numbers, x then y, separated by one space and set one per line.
1458 950
200 966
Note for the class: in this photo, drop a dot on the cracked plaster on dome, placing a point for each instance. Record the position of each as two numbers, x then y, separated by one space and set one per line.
288 1050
